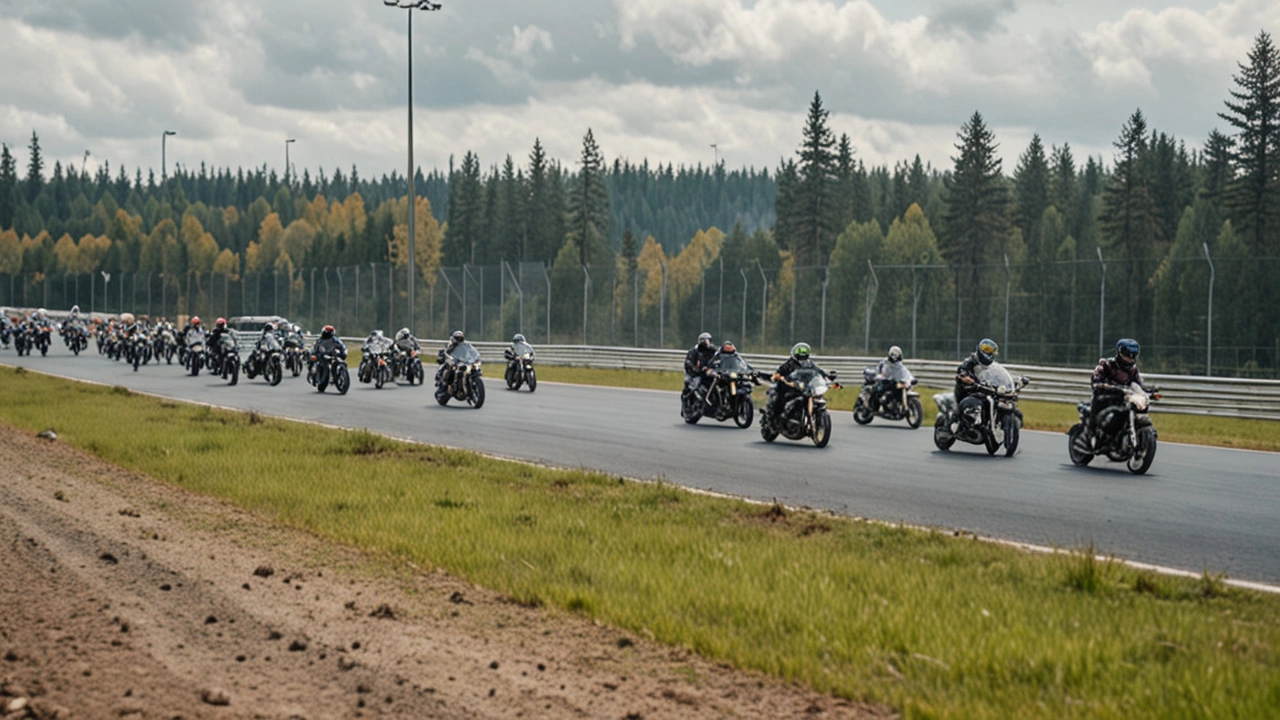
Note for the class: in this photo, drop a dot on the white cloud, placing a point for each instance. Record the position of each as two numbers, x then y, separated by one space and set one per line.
525 41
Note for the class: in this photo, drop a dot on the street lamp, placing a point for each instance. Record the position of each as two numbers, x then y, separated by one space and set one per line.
286 158
411 5
163 172
83 160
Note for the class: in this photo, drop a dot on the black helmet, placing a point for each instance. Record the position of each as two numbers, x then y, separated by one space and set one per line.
457 337
1127 352
800 351
704 340
987 351
895 354
517 339
326 332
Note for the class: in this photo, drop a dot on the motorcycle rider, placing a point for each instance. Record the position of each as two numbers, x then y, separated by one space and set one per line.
889 372
967 379
375 343
456 339
328 344
406 342
510 352
214 343
697 366
1112 375
782 392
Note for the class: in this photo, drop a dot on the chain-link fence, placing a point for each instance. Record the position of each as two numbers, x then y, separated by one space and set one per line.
1061 313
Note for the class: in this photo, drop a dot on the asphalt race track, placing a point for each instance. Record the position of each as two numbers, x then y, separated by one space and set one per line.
1197 509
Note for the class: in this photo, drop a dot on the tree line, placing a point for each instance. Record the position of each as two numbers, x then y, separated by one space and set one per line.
952 244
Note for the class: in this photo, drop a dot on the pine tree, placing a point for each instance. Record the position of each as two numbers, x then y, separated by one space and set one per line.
976 217
589 204
1253 196
1031 192
8 188
35 171
1217 167
1063 185
1129 223
846 177
466 204
815 226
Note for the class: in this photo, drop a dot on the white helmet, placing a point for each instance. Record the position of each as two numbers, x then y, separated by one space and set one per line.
895 354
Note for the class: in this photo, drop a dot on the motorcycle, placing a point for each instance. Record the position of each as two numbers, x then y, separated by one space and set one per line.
227 363
76 337
266 360
137 349
728 397
460 376
166 345
374 366
893 397
1123 432
995 423
293 353
520 368
22 339
40 339
328 368
6 330
406 364
804 415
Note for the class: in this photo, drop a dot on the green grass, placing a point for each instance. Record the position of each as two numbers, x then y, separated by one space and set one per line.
1038 414
934 625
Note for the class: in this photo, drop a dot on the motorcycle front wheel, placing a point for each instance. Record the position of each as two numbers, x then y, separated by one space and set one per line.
1143 455
915 413
235 370
989 440
1011 431
861 413
513 378
531 380
380 377
274 372
767 430
342 380
746 413
476 399
1076 446
821 429
942 436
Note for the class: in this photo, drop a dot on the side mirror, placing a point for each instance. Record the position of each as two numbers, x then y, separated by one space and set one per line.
1024 380
914 381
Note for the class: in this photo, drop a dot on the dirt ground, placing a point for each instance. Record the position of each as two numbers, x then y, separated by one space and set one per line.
123 597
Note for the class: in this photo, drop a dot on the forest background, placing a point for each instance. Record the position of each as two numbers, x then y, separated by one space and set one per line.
1175 246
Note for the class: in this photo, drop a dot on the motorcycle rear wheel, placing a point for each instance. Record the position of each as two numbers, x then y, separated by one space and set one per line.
767 430
942 436
690 408
746 413
1143 455
821 429
1075 442
915 413
513 378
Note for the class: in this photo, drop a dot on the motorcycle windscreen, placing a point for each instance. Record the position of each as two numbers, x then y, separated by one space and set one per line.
465 353
897 372
520 349
809 379
734 364
994 375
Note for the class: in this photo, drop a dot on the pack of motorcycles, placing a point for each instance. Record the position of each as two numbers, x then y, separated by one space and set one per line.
1122 432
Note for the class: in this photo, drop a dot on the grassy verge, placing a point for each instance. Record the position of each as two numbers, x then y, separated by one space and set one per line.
1039 415
934 625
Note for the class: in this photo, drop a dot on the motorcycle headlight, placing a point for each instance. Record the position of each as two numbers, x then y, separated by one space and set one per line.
1140 402
820 388
733 376
527 356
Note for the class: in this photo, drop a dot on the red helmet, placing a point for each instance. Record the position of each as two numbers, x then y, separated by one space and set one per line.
195 321
326 331
220 323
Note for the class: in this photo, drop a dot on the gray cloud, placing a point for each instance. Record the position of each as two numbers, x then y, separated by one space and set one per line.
976 19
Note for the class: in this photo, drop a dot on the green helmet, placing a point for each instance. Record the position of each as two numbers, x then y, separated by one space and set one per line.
800 351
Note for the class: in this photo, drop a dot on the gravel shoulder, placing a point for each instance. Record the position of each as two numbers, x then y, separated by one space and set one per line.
122 596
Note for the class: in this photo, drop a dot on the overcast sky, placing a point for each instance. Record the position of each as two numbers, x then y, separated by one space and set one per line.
656 79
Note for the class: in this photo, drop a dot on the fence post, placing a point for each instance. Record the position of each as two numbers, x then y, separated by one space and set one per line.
662 307
1102 304
373 273
357 314
720 308
1008 281
586 285
743 271
822 333
764 302
341 292
1208 353
915 305
547 276
872 287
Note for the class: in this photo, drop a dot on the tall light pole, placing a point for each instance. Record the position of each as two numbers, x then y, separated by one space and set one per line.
287 142
83 160
411 5
163 165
